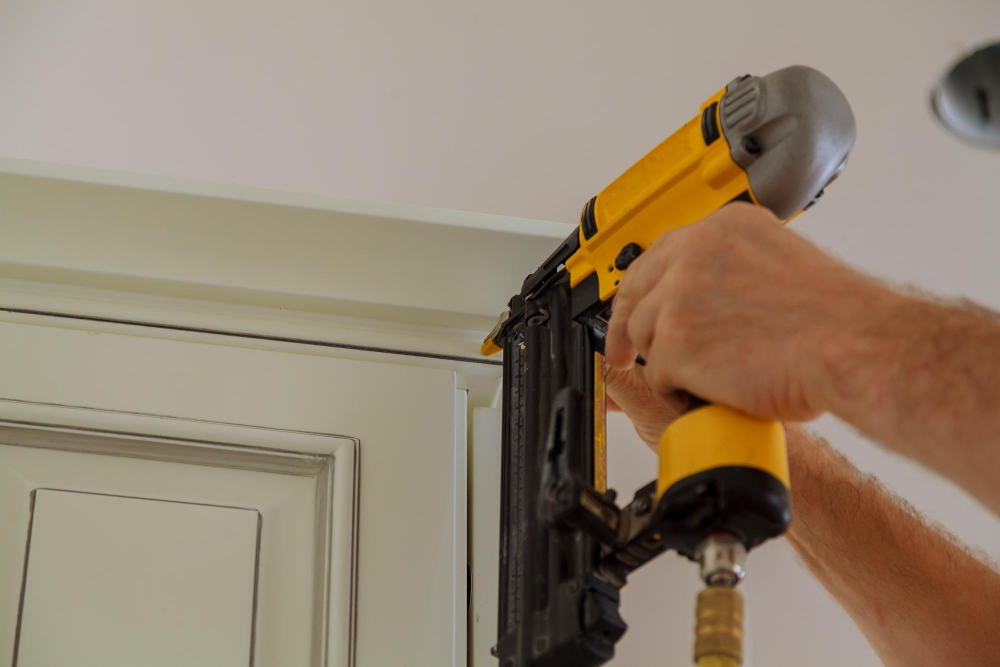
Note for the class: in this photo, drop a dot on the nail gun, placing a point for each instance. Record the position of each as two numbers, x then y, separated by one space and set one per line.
566 547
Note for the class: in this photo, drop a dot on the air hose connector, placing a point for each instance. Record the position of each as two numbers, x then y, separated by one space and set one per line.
718 632
723 560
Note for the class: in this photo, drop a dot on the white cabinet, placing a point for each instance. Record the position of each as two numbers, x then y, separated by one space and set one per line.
233 424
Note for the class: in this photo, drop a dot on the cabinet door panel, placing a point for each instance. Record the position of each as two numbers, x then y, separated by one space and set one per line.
308 442
149 582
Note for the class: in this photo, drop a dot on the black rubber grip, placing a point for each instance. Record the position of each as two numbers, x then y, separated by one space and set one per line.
709 124
587 222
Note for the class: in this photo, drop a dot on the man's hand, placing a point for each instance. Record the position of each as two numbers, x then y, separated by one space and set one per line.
650 411
739 310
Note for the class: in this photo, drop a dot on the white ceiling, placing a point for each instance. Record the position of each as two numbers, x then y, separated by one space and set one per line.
527 109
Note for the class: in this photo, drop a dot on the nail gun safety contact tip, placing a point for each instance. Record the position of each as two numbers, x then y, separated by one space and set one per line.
489 347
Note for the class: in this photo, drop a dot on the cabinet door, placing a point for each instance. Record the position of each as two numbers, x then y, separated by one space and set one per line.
190 502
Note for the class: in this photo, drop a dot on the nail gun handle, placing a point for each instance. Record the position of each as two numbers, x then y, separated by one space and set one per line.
728 469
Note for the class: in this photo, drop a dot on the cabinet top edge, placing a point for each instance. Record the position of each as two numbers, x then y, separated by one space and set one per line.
242 193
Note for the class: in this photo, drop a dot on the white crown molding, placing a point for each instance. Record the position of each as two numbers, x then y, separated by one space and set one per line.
120 247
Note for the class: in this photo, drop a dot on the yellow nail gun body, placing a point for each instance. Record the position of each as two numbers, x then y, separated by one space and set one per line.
722 489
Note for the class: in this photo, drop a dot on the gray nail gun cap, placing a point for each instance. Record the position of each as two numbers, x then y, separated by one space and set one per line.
791 131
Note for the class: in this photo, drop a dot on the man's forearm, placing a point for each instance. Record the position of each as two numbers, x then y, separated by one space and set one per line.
919 598
923 379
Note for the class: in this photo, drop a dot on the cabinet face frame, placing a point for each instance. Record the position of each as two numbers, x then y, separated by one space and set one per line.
332 461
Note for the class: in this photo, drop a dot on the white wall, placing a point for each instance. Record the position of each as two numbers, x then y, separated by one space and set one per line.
528 108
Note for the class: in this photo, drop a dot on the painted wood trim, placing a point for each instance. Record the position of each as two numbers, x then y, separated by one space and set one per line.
73 307
460 527
169 237
484 534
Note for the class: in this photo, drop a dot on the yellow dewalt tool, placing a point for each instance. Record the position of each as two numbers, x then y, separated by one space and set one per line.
566 548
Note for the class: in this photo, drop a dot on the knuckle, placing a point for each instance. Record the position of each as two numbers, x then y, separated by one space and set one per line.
684 277
762 214
740 215
702 237
662 242
667 325
741 208
695 232
753 214
668 246
674 326
639 333
625 287
630 281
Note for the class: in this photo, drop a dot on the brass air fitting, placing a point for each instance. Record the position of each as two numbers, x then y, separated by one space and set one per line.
718 634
